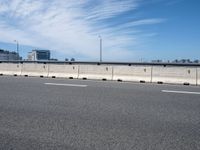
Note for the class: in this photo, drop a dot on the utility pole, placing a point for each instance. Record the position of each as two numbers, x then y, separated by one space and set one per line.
17 48
100 48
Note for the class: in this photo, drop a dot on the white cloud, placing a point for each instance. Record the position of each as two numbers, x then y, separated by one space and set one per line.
69 26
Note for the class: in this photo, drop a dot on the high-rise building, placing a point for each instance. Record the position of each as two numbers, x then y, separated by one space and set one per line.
36 55
7 55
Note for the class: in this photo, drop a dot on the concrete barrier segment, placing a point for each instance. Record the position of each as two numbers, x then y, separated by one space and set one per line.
99 72
11 69
63 71
35 69
132 73
174 75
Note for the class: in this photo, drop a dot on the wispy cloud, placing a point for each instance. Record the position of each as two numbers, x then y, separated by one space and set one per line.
110 8
144 22
72 27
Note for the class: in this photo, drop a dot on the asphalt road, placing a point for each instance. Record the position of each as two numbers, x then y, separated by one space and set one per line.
58 114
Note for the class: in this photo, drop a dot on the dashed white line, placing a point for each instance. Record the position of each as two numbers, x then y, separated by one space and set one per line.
181 92
72 85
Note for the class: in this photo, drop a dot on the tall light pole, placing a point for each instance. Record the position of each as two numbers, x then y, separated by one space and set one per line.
17 48
100 48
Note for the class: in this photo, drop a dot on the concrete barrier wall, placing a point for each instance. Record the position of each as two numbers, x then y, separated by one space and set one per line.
63 71
95 72
35 69
132 73
176 75
10 68
146 73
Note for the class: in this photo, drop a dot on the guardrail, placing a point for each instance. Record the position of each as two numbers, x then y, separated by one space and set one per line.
121 71
105 63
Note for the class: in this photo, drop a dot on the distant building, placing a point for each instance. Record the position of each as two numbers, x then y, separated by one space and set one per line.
7 55
54 59
183 61
36 55
196 61
72 59
156 61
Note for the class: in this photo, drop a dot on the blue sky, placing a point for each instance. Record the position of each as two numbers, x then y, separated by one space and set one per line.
132 30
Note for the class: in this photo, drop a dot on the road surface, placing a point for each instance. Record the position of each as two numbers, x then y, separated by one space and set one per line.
61 114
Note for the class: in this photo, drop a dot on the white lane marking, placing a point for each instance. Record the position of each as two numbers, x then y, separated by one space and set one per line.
181 92
73 85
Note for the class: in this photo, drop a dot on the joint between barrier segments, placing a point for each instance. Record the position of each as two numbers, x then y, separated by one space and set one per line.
151 74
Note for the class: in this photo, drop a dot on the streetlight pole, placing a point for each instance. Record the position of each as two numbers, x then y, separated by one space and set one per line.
17 48
100 48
